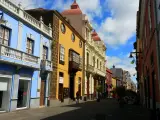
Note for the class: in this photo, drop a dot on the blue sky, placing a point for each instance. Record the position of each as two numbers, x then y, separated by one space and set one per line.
114 21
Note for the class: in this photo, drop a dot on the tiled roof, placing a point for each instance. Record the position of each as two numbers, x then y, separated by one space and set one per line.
73 10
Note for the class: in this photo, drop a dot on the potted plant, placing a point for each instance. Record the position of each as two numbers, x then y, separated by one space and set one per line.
99 90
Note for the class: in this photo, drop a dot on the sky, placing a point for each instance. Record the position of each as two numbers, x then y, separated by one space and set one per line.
113 20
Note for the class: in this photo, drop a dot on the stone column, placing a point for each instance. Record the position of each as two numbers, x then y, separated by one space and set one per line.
15 86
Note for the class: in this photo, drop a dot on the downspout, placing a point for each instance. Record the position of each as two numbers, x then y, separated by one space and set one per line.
157 42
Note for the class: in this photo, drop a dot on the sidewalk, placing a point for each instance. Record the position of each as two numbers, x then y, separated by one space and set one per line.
39 113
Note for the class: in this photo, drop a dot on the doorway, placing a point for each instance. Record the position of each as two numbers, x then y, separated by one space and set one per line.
1 96
148 90
72 76
153 91
79 86
60 95
22 93
42 92
88 88
4 93
60 91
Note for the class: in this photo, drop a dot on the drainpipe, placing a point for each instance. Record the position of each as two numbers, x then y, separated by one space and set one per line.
157 41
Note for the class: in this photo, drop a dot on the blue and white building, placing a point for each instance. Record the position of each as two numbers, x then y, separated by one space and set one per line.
25 59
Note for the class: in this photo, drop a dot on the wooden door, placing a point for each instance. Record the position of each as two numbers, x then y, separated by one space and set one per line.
79 89
60 95
88 88
1 96
42 93
95 88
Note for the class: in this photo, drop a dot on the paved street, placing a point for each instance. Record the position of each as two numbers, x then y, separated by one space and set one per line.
84 111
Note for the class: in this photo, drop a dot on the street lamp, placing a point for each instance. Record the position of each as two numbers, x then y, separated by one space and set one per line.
2 21
131 56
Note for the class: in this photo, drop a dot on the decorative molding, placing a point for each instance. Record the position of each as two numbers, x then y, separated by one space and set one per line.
20 24
29 35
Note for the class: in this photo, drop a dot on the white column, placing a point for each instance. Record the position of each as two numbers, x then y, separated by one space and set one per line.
20 31
15 86
41 47
38 84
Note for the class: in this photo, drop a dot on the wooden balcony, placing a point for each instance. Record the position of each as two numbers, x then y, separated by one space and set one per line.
75 61
89 68
46 65
14 56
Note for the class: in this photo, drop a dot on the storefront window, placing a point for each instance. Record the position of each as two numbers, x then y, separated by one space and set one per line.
22 93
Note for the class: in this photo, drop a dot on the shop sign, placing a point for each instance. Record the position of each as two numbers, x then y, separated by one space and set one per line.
61 80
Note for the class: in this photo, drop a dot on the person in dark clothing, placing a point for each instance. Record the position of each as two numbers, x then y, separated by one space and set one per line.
77 97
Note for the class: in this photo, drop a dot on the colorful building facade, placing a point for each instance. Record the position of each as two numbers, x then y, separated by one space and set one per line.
68 51
24 46
109 85
94 51
147 59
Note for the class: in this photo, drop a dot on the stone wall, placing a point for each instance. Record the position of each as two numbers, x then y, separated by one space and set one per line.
55 49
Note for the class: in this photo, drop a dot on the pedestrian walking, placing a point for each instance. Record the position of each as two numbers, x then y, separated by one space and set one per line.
77 97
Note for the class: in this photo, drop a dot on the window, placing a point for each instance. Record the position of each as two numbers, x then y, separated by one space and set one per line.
63 28
45 53
87 33
80 43
73 37
87 58
62 54
29 46
4 35
93 61
97 63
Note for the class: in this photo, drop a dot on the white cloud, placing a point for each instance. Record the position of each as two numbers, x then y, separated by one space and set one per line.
123 62
29 4
121 26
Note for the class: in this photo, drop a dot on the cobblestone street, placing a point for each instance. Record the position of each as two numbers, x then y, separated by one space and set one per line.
85 111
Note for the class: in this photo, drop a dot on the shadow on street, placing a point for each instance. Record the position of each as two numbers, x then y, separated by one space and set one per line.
103 110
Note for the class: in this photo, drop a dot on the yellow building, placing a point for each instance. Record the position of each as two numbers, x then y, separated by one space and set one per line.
114 82
67 56
71 44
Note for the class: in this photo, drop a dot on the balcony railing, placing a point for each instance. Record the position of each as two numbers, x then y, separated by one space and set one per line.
89 68
8 52
100 72
19 12
46 65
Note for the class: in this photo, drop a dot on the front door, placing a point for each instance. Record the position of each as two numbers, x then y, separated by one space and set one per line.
1 96
42 93
95 88
60 96
88 88
72 76
153 91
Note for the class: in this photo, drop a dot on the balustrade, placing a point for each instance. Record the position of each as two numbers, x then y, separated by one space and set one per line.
25 16
6 51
